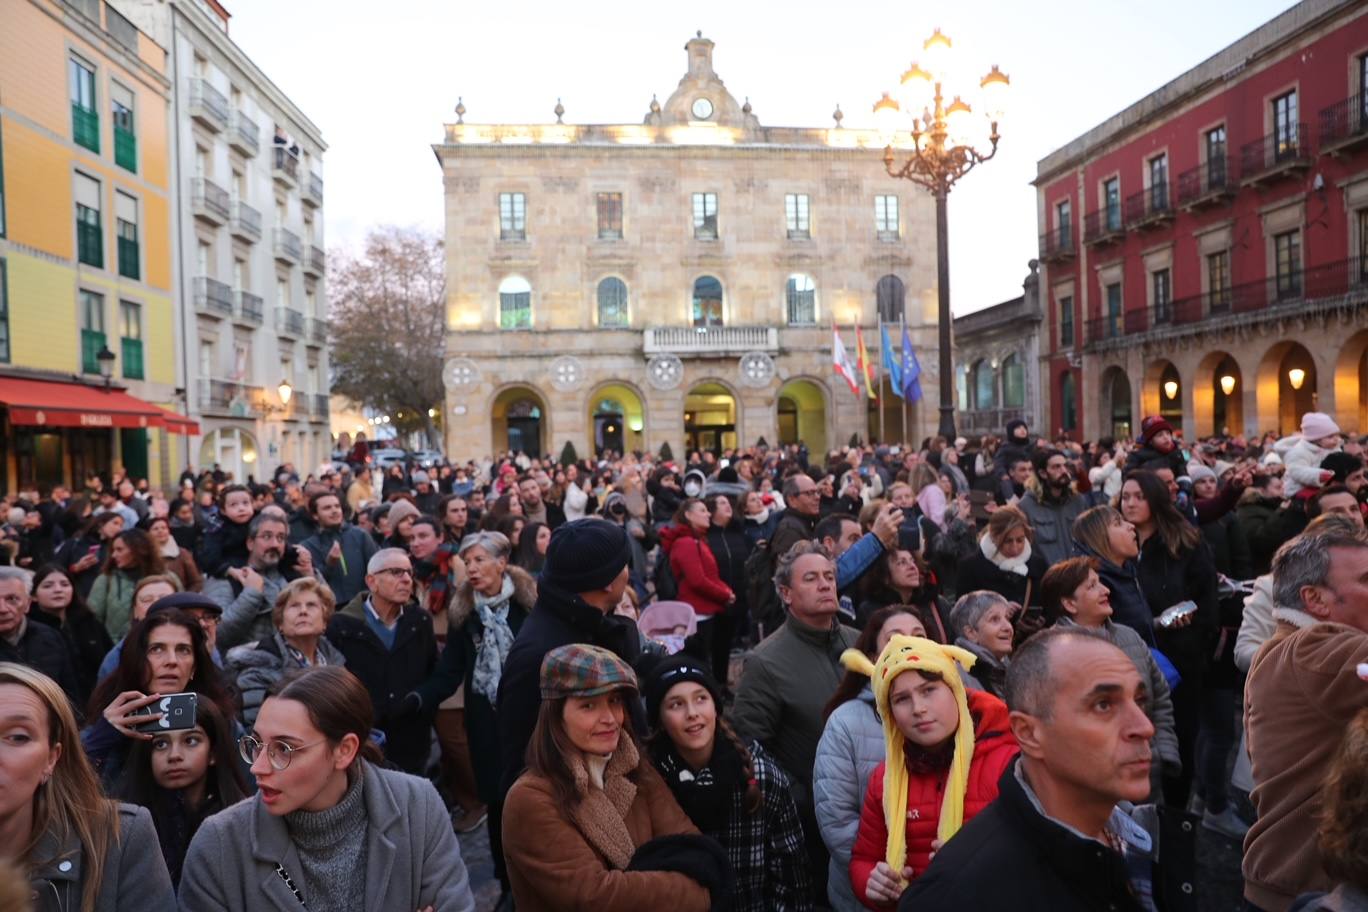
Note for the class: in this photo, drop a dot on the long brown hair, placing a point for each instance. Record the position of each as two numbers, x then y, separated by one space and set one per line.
72 803
146 558
550 745
1173 529
337 702
852 682
131 672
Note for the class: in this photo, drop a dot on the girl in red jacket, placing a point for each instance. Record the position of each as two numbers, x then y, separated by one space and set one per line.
946 749
700 584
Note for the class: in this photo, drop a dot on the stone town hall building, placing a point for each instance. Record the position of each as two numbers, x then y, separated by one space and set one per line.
623 286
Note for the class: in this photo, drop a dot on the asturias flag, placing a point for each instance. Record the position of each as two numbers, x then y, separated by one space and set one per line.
911 370
889 362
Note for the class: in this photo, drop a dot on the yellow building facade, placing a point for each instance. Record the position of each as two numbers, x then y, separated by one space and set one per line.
85 246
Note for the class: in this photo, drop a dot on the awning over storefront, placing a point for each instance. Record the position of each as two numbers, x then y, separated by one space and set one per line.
51 403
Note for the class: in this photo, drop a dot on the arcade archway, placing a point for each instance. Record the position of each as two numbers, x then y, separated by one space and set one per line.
617 419
802 414
518 421
710 418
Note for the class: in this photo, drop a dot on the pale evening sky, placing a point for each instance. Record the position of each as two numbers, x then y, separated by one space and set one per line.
381 79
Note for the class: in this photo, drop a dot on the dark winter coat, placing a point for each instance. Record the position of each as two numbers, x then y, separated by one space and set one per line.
44 649
1052 522
456 667
1264 527
87 642
254 667
793 527
1167 580
978 572
730 547
1012 856
72 550
557 619
1142 457
1129 605
695 570
347 577
390 675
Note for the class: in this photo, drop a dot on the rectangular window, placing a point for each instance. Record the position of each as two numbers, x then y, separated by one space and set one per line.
1285 126
886 217
1162 291
89 236
125 140
1158 188
1218 281
515 310
126 225
1066 322
4 314
1064 223
512 217
609 216
130 328
1287 257
796 215
92 331
1216 156
1113 324
705 216
1111 199
85 120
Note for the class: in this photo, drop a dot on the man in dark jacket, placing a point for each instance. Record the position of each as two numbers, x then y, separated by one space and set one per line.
798 522
340 550
36 645
389 644
582 582
1050 840
1054 507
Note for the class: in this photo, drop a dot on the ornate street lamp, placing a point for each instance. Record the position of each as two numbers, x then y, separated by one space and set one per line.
105 359
285 391
948 140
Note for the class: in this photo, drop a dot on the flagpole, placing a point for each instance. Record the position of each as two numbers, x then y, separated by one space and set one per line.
878 383
903 335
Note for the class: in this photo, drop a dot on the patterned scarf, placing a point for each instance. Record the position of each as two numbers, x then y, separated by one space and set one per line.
702 794
496 640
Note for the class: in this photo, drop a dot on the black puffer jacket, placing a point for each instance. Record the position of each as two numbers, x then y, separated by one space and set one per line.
731 546
1128 602
1167 580
43 649
87 642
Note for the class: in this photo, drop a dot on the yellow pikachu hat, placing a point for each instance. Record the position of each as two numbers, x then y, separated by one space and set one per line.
905 653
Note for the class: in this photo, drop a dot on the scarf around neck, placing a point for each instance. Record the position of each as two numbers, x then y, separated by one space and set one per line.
495 641
600 814
703 794
1015 565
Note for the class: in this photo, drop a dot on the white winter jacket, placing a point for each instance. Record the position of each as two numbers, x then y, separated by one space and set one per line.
1301 459
852 746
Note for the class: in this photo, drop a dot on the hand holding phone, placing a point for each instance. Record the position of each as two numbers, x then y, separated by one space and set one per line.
173 712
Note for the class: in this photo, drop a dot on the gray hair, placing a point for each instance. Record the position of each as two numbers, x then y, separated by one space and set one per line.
267 515
1305 561
381 557
9 574
790 488
495 544
1030 686
971 608
783 567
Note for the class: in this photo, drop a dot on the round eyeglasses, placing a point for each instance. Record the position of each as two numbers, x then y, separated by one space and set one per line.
278 753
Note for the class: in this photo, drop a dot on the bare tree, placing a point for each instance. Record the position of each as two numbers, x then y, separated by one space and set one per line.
389 325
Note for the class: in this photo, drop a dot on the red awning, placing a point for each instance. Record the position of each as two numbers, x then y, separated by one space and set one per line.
179 424
51 403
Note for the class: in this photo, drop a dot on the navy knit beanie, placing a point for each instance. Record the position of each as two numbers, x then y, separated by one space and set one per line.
676 669
585 555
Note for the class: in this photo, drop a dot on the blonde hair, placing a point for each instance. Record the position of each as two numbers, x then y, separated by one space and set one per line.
1004 520
71 803
294 588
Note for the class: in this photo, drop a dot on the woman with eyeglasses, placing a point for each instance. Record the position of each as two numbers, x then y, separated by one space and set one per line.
329 827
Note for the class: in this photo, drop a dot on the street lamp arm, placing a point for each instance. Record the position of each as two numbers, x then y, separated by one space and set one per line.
935 167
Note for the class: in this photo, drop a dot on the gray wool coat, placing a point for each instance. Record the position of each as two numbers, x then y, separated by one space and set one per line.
412 857
852 746
134 879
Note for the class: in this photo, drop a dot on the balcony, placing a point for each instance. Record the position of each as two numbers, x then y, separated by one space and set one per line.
312 191
243 134
321 408
318 331
1209 184
125 149
315 263
1150 208
212 297
704 341
92 341
209 201
228 396
1274 157
132 358
284 167
288 247
250 310
1057 245
1103 226
246 222
1344 126
289 321
207 105
85 127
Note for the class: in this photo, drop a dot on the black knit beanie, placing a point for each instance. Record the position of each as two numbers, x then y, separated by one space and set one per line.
675 669
585 555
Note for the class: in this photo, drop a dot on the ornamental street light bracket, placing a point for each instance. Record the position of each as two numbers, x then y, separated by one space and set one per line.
947 142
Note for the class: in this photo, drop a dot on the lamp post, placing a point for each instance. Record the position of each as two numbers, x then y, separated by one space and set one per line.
947 142
105 357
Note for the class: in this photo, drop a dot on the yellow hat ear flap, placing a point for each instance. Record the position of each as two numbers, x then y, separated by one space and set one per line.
857 662
964 657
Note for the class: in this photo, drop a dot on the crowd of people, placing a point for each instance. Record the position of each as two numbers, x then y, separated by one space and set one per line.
1008 672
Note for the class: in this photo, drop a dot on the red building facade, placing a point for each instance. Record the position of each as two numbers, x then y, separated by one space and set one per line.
1205 251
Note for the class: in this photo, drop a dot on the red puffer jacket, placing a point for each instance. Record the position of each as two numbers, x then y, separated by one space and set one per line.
695 570
994 748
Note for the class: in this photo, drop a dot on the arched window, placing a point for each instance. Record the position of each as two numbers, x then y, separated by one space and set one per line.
801 296
1068 402
962 387
515 303
1013 383
890 295
707 301
612 302
985 385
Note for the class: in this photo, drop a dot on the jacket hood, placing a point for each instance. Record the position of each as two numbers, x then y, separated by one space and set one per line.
671 534
463 602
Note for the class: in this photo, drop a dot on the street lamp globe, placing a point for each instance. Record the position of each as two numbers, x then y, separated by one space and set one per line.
1171 389
996 87
285 391
937 49
916 90
886 119
959 125
106 358
1296 376
1227 384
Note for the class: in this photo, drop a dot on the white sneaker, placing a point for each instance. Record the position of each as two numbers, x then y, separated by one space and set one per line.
1227 823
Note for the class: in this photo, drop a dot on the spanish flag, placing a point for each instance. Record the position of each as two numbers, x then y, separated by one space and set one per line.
862 361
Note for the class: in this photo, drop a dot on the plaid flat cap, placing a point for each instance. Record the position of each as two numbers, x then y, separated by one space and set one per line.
580 670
